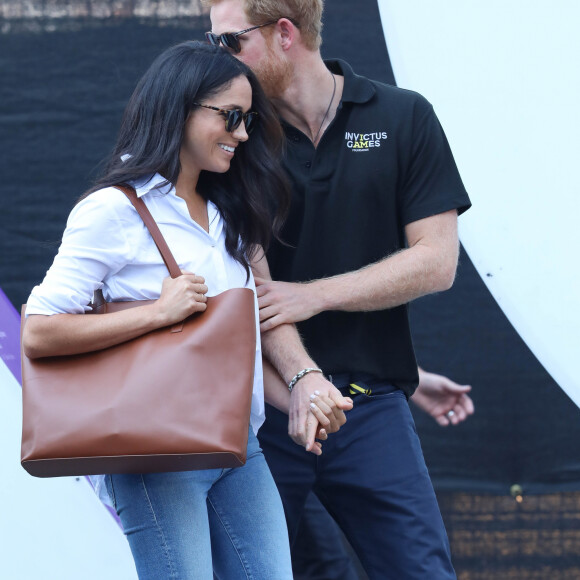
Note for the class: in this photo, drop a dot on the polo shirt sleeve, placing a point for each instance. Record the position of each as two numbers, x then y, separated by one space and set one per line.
432 183
94 247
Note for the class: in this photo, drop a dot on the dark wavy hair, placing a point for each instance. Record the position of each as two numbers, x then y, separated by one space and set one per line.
253 195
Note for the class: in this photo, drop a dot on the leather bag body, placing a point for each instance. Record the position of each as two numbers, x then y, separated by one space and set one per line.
174 399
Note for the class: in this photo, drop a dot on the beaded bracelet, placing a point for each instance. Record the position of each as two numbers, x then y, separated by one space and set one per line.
301 374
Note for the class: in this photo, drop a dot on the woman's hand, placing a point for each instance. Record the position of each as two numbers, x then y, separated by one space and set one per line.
180 298
330 416
64 334
446 401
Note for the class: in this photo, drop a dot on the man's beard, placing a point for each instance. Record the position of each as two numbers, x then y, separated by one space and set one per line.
274 74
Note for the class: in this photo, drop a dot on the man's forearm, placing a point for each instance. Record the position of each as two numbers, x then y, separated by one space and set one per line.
284 349
427 265
396 280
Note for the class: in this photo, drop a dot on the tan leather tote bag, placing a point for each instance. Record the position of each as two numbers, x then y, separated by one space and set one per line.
175 399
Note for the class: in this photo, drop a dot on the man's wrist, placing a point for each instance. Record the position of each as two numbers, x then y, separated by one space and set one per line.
320 293
299 375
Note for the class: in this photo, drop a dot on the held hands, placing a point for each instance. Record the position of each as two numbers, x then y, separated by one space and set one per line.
285 302
181 297
316 408
446 401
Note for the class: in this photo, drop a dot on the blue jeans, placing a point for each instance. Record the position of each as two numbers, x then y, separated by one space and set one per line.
190 524
372 479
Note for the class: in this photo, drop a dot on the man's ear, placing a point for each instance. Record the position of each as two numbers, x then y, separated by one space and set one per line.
288 33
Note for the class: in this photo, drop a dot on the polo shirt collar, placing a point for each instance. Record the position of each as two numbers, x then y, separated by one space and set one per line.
356 89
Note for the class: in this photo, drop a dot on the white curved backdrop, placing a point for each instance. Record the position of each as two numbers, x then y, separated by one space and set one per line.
505 82
51 529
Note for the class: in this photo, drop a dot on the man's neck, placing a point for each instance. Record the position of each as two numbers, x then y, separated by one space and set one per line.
306 103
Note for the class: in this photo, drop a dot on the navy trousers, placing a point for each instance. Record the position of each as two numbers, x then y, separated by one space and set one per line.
320 550
373 480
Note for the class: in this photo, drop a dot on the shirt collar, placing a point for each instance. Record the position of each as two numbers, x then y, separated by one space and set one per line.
155 181
356 89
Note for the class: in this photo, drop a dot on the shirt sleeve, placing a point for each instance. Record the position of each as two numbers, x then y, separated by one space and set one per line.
94 247
432 182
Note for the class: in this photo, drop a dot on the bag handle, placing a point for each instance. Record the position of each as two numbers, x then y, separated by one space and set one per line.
143 211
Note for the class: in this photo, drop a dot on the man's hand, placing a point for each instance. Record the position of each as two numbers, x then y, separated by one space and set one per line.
446 401
285 302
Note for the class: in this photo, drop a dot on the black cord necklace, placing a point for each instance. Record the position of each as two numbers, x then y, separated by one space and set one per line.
327 110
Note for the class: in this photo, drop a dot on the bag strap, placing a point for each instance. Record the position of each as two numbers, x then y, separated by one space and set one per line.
143 211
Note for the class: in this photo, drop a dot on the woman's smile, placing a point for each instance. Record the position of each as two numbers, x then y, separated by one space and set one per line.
229 149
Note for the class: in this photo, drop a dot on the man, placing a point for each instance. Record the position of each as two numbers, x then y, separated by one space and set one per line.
373 225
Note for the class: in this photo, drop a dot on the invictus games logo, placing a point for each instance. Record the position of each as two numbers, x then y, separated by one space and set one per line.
364 141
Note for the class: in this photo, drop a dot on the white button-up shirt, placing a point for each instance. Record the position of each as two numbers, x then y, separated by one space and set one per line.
106 245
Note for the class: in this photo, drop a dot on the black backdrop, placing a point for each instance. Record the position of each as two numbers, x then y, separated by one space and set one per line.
62 93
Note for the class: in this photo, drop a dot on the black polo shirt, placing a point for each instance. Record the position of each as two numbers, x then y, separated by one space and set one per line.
383 163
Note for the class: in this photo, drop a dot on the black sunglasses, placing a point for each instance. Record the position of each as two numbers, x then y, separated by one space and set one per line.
230 39
234 117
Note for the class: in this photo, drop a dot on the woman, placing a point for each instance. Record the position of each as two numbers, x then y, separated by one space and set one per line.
184 145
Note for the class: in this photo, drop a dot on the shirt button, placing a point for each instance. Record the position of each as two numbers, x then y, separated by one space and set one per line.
308 164
296 138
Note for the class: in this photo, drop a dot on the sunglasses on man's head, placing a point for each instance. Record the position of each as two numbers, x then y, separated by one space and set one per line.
230 39
234 117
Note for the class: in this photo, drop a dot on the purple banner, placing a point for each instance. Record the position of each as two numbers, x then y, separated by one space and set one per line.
10 336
